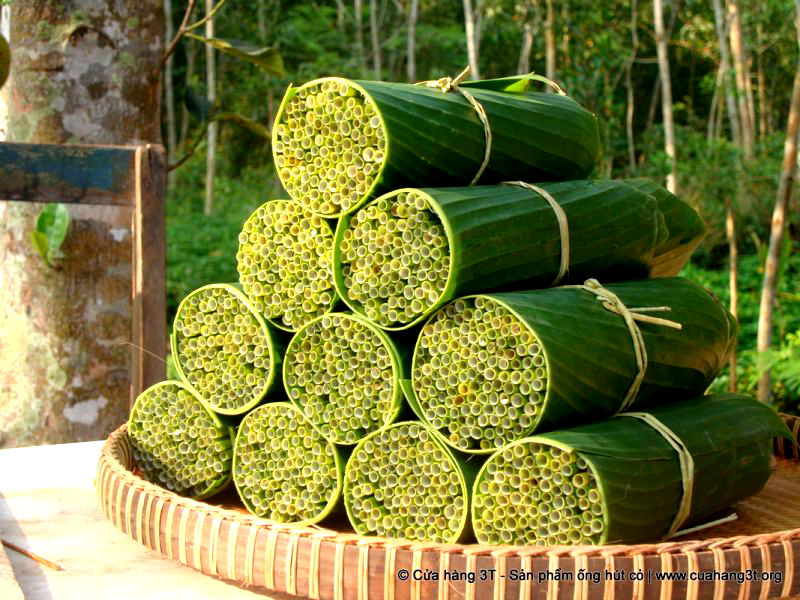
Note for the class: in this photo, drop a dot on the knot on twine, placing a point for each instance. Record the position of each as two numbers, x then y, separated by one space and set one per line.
450 84
614 304
563 225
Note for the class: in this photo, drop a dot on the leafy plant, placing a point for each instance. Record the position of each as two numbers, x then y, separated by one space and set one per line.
50 232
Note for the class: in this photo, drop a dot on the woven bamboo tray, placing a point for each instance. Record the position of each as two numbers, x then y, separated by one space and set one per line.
326 565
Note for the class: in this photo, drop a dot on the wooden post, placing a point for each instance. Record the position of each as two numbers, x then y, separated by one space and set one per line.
129 179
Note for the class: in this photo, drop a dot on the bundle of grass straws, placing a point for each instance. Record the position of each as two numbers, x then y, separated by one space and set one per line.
223 349
344 374
623 480
337 142
283 468
178 443
492 368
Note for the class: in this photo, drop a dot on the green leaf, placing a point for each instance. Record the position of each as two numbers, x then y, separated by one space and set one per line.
516 84
268 59
51 230
39 241
250 124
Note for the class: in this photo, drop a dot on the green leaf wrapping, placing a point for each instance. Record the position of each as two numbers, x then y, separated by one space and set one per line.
582 354
509 237
684 225
436 138
637 472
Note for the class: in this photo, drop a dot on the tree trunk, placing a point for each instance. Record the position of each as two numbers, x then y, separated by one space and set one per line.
524 62
654 98
738 54
729 81
629 87
472 40
411 46
262 19
169 95
191 60
763 101
565 56
778 228
375 38
733 280
358 8
666 94
213 128
550 43
713 111
87 75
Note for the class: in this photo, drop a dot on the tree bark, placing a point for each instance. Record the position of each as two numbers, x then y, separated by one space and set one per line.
358 8
213 128
472 39
629 111
169 95
87 75
262 19
739 57
778 227
763 101
190 47
733 280
411 45
550 43
375 38
729 82
666 94
565 56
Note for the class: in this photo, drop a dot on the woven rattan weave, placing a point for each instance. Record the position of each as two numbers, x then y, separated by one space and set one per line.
326 565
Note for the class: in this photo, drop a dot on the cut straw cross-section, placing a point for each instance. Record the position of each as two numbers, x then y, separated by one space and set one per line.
344 374
223 349
284 470
338 142
403 482
492 368
621 480
285 263
178 443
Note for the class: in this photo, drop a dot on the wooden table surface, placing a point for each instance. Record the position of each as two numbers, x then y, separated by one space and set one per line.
48 506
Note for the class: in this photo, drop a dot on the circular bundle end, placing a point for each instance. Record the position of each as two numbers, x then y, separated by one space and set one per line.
223 349
285 263
344 374
178 443
401 482
283 469
479 374
534 493
392 259
329 145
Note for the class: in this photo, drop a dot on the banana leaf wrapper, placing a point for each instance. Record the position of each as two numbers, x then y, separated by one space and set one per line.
685 229
638 474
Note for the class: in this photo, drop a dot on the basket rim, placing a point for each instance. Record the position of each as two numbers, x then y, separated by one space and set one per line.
115 456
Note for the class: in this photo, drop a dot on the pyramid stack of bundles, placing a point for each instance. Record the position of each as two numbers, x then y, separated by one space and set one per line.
448 333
